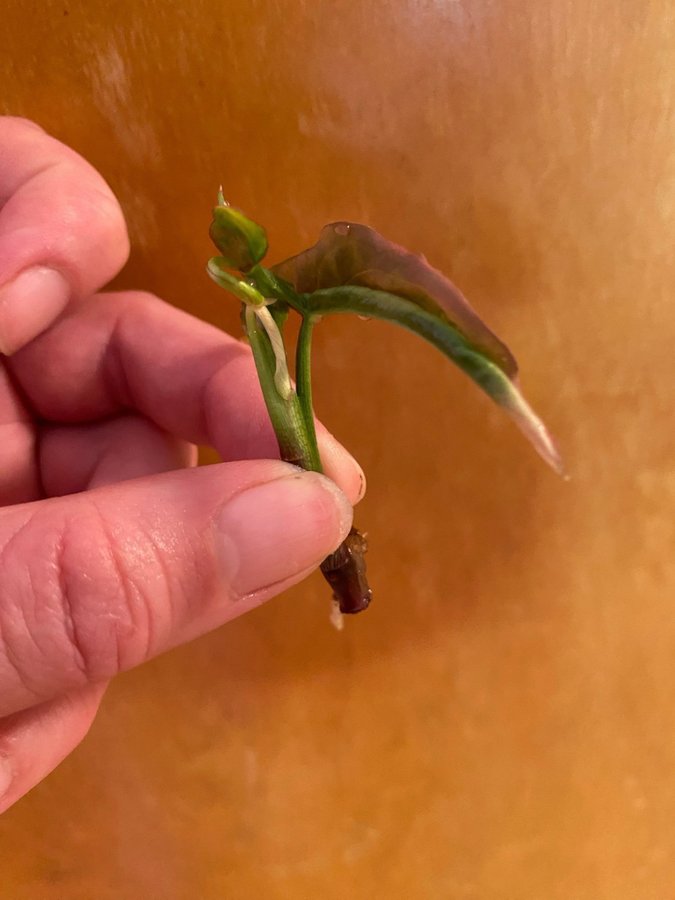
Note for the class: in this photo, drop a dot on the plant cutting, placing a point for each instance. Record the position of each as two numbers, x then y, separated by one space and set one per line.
352 269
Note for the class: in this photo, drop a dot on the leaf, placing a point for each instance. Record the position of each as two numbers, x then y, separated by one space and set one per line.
352 268
241 241
351 254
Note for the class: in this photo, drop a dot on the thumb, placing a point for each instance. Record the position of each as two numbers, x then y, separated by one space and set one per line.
98 582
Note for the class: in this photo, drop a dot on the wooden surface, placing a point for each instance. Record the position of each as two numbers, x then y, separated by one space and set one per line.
501 724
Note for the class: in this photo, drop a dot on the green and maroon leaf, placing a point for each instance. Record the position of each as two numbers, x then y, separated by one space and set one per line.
353 269
351 254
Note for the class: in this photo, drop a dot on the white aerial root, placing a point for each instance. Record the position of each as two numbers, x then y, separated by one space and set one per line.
282 378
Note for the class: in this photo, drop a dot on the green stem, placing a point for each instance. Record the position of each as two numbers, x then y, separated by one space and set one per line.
303 377
295 444
271 286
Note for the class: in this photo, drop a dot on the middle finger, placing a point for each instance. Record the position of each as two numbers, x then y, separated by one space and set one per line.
77 457
131 350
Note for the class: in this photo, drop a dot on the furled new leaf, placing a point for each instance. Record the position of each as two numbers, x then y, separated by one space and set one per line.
352 268
241 241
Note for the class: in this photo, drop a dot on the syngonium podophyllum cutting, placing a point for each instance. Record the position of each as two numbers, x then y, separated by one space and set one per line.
353 269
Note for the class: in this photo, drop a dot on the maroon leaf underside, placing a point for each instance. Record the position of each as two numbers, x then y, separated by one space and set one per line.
351 254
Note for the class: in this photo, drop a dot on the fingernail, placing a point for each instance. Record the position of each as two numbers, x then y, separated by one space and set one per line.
362 485
274 531
341 465
6 776
29 304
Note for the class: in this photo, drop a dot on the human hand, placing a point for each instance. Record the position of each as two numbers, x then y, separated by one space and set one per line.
112 548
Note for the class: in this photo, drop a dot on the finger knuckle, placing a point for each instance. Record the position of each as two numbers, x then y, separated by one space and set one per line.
72 612
17 126
100 213
104 610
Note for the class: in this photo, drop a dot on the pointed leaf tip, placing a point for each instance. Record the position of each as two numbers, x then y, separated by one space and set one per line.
529 423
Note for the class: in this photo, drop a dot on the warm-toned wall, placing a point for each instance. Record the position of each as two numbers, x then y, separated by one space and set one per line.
501 724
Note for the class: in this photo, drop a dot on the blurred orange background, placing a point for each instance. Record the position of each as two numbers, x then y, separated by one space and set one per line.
500 724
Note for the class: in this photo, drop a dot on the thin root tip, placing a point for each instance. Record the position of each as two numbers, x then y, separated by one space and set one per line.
336 618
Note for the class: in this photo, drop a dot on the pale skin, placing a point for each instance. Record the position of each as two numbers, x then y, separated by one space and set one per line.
113 546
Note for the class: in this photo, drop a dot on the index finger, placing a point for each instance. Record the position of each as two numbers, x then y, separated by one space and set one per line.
62 232
130 350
